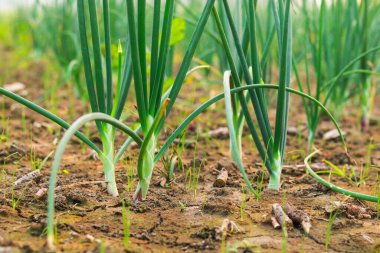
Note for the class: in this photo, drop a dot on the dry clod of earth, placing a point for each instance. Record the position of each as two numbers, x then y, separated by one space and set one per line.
299 217
292 130
92 156
7 250
188 144
281 217
350 210
220 133
11 154
222 178
225 164
227 227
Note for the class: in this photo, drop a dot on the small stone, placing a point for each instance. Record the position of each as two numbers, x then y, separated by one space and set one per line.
14 87
90 238
220 133
74 234
332 135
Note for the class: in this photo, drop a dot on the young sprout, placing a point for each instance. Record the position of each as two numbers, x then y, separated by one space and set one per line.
36 162
182 206
332 217
15 200
242 203
126 224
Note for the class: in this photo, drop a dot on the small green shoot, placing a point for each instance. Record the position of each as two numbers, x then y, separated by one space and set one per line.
126 219
193 172
169 162
36 162
130 175
16 200
284 240
243 202
23 121
332 217
223 242
4 137
182 206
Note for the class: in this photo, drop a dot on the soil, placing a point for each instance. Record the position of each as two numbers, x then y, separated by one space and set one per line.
89 220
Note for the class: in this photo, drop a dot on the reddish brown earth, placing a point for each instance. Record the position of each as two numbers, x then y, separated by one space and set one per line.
89 220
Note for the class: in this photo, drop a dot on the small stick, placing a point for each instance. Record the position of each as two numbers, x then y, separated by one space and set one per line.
28 177
221 180
275 223
281 216
41 193
299 217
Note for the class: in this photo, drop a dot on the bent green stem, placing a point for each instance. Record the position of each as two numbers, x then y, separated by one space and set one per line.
48 115
234 149
61 148
334 187
213 100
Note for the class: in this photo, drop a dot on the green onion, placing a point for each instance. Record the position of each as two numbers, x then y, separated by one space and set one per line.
107 104
335 69
271 146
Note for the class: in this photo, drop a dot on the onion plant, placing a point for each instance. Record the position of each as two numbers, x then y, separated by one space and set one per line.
264 41
153 102
270 147
53 30
272 154
333 69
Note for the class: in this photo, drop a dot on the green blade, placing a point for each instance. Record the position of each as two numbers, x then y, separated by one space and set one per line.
107 32
139 89
97 56
162 60
86 57
280 128
48 115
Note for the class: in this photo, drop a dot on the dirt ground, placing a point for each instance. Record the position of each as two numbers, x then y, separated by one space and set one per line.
89 220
